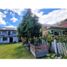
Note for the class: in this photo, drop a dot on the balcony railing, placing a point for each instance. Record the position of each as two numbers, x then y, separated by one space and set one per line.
6 34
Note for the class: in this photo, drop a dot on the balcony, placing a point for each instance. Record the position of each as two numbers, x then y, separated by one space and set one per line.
3 33
8 33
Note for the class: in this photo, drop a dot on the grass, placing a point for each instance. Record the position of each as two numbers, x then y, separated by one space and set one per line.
14 51
19 51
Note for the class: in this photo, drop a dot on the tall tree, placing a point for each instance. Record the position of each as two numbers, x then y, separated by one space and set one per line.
29 27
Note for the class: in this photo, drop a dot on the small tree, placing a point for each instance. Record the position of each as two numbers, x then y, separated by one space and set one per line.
29 27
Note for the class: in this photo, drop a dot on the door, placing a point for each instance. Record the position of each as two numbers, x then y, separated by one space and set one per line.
11 39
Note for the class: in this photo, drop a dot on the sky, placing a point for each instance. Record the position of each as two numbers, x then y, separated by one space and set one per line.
49 12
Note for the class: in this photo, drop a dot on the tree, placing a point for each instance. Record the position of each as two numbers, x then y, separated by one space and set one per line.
29 27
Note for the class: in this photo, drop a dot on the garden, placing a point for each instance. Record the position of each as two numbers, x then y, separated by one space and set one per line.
30 32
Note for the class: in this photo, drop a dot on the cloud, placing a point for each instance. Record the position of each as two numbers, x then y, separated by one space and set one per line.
36 12
13 19
52 17
18 11
4 15
5 12
1 18
55 16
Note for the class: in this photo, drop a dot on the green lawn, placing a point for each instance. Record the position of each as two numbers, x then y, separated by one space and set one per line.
14 51
19 51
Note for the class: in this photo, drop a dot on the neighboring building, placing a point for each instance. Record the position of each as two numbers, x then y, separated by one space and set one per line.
8 35
57 29
54 30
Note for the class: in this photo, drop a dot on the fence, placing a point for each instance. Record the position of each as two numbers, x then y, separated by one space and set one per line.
59 45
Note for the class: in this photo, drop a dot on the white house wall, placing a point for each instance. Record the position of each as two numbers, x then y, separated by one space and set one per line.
15 39
6 41
0 39
5 33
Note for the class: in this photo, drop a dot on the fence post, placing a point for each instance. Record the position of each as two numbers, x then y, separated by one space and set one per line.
64 49
55 46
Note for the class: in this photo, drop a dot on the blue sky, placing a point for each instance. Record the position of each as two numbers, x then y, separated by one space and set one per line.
16 18
51 15
48 11
12 17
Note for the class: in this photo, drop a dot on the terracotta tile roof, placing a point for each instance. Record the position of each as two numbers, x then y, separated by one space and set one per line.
63 23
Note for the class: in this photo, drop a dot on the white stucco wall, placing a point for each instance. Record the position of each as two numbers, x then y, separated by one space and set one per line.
2 41
5 34
15 39
6 41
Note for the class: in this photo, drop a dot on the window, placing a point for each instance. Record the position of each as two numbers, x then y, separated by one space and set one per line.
0 32
65 32
14 32
56 33
52 31
4 32
0 38
8 32
4 38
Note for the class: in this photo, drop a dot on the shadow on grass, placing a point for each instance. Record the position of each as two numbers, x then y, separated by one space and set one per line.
7 43
22 53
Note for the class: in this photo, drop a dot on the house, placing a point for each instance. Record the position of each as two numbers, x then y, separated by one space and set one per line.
60 28
8 35
57 29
